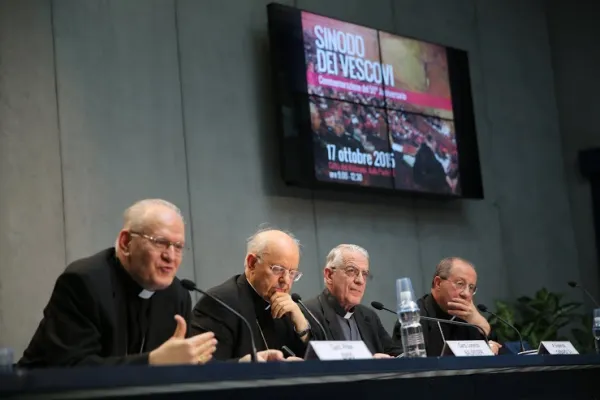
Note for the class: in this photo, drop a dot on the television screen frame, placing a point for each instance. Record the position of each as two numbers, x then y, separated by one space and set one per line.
297 154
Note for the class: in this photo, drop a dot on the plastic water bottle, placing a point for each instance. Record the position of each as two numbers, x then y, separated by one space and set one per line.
410 320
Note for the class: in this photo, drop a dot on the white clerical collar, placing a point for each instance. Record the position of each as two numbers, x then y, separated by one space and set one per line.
349 314
145 294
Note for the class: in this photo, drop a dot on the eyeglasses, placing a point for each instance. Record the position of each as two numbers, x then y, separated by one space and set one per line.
461 285
161 243
353 272
280 271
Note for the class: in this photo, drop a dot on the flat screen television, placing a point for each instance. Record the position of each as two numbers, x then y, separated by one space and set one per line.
364 109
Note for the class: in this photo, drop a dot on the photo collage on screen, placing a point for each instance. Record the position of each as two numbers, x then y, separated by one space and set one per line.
380 108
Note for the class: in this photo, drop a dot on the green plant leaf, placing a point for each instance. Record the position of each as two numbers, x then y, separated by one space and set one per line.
565 313
570 306
550 333
541 317
528 329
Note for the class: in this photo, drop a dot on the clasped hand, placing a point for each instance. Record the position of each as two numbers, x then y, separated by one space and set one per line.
281 304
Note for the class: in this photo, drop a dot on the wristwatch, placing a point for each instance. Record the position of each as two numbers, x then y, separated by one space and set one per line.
304 332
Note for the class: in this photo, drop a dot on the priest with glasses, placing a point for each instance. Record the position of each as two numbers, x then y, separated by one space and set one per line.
262 295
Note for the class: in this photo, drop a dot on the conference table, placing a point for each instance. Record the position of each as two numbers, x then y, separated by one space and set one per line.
502 377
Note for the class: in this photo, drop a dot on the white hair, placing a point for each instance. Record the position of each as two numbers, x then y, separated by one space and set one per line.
257 242
335 258
136 216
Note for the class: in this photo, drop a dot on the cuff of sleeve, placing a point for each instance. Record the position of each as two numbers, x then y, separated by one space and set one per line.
304 332
139 359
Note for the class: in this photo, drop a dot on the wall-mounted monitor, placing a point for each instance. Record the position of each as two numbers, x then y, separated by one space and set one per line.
365 109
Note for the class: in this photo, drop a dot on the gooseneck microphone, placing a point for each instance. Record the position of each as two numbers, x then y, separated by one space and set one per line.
483 308
189 285
577 285
379 306
452 322
297 299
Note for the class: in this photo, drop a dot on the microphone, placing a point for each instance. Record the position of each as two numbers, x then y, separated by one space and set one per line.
378 306
576 285
297 299
483 308
189 285
452 322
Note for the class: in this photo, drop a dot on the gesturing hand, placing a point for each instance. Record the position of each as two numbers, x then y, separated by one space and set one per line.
179 350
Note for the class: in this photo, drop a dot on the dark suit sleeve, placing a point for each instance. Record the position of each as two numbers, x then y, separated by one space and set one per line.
476 334
210 316
315 330
69 333
187 313
295 343
389 346
396 336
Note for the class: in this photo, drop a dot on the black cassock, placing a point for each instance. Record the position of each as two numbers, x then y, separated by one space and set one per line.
232 335
432 331
326 309
97 315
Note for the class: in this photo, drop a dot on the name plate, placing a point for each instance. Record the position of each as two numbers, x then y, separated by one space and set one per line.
467 348
556 348
337 350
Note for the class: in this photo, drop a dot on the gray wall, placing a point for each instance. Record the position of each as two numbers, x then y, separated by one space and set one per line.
32 234
574 33
106 102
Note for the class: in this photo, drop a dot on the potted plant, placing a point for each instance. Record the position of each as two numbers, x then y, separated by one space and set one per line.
541 318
